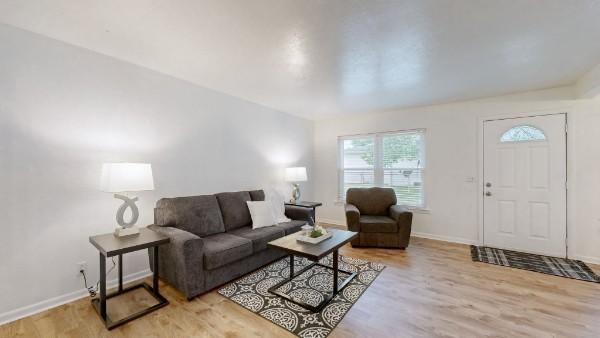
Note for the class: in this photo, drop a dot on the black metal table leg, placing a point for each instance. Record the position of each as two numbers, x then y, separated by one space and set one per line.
103 287
291 267
120 273
328 296
155 276
335 272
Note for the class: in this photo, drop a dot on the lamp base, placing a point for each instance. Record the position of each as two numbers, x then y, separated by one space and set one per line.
295 193
122 232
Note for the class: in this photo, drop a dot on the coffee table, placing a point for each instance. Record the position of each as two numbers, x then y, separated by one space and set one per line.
314 252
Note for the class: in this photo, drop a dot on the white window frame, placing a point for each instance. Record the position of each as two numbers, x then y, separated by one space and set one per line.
378 170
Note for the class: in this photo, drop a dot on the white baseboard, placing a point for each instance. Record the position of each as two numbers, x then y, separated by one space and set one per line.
331 221
586 259
458 240
450 239
32 309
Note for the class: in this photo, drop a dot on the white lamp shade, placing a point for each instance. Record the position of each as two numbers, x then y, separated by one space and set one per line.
295 174
123 177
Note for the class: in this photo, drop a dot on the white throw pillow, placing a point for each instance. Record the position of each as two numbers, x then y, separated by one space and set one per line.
261 213
277 205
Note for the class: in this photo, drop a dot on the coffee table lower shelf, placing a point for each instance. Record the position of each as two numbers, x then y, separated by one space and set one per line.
328 297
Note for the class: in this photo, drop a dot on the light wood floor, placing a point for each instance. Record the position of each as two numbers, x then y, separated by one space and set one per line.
431 290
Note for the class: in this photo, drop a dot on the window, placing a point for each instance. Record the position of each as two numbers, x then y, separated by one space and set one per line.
395 160
523 133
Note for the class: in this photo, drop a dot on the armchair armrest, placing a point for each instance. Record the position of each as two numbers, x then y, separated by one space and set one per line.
401 215
352 217
298 213
181 260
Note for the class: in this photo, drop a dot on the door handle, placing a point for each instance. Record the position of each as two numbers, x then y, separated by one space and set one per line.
488 193
488 184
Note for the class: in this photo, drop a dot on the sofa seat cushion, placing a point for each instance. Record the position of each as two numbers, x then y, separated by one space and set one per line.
377 224
222 249
234 209
199 215
291 226
259 237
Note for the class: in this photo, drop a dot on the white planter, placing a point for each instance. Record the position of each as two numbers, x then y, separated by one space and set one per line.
311 240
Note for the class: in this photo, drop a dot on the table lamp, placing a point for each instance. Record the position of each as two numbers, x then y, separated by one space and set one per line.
294 175
121 178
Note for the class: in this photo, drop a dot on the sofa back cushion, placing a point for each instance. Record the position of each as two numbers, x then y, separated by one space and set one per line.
257 195
234 209
199 215
371 201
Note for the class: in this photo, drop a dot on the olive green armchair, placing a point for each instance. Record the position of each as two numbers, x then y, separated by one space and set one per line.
373 213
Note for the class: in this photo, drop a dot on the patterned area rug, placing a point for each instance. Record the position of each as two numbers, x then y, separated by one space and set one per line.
545 264
251 292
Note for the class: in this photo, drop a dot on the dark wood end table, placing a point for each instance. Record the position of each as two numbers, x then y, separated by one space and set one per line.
109 245
309 205
314 252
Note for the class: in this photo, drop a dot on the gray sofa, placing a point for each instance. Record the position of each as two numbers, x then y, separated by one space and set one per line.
212 240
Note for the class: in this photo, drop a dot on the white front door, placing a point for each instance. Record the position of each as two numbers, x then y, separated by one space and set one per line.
525 184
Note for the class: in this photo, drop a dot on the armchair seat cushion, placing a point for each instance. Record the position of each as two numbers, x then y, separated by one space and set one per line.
260 236
222 249
370 223
291 226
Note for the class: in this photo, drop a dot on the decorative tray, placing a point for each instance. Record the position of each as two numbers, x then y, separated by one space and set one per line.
311 240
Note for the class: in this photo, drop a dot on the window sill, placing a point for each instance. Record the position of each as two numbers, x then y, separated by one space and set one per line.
420 210
340 202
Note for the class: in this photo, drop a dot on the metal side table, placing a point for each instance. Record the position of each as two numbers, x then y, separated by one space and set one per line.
308 205
109 245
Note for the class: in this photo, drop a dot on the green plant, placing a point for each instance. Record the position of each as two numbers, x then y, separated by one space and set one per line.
316 233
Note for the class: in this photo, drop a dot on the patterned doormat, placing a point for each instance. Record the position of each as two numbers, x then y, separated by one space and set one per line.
545 264
251 292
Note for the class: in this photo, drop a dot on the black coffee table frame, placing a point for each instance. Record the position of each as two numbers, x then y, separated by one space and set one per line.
328 297
314 252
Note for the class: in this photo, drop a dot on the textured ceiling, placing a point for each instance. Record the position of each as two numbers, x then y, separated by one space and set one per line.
322 58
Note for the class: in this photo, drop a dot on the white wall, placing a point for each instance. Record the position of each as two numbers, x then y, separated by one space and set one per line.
452 160
588 85
584 181
65 110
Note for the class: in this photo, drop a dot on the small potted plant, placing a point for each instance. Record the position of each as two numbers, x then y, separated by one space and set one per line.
316 233
313 234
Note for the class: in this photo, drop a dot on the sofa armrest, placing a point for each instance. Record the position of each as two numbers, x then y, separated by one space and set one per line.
298 213
352 217
181 260
401 215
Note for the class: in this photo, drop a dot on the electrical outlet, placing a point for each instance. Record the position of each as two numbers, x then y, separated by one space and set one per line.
82 266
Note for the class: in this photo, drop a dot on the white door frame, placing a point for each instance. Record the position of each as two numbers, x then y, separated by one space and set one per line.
480 167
